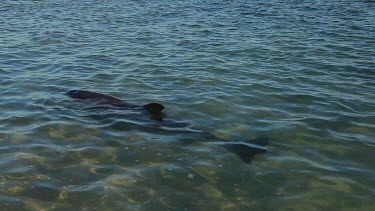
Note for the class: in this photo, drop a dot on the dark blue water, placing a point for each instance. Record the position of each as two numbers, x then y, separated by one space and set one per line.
301 73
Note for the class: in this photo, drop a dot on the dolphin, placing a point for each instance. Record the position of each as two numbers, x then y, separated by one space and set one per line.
245 150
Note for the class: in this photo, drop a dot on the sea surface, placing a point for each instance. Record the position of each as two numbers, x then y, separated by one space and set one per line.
300 73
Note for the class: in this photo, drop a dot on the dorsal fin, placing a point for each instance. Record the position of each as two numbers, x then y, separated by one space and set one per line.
155 110
154 107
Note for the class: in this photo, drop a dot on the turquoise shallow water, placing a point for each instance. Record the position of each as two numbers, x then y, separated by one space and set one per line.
298 72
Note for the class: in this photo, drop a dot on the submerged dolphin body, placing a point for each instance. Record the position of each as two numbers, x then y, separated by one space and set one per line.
244 150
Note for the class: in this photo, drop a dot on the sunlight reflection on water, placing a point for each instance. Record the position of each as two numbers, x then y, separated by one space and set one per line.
299 73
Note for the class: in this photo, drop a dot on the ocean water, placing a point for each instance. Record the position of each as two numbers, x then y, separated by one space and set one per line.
301 73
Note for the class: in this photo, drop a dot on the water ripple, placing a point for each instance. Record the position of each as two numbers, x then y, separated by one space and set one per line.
299 73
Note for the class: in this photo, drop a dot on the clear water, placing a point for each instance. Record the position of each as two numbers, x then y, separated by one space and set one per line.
299 72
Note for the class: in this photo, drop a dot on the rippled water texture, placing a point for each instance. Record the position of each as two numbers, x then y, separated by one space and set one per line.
298 72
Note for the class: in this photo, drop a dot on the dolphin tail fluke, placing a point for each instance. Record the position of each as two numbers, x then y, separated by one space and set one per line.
246 151
155 109
260 141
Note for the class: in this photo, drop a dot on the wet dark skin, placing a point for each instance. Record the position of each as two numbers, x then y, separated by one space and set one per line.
154 109
244 150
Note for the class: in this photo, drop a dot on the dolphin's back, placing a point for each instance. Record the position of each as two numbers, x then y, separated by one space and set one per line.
155 109
81 94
